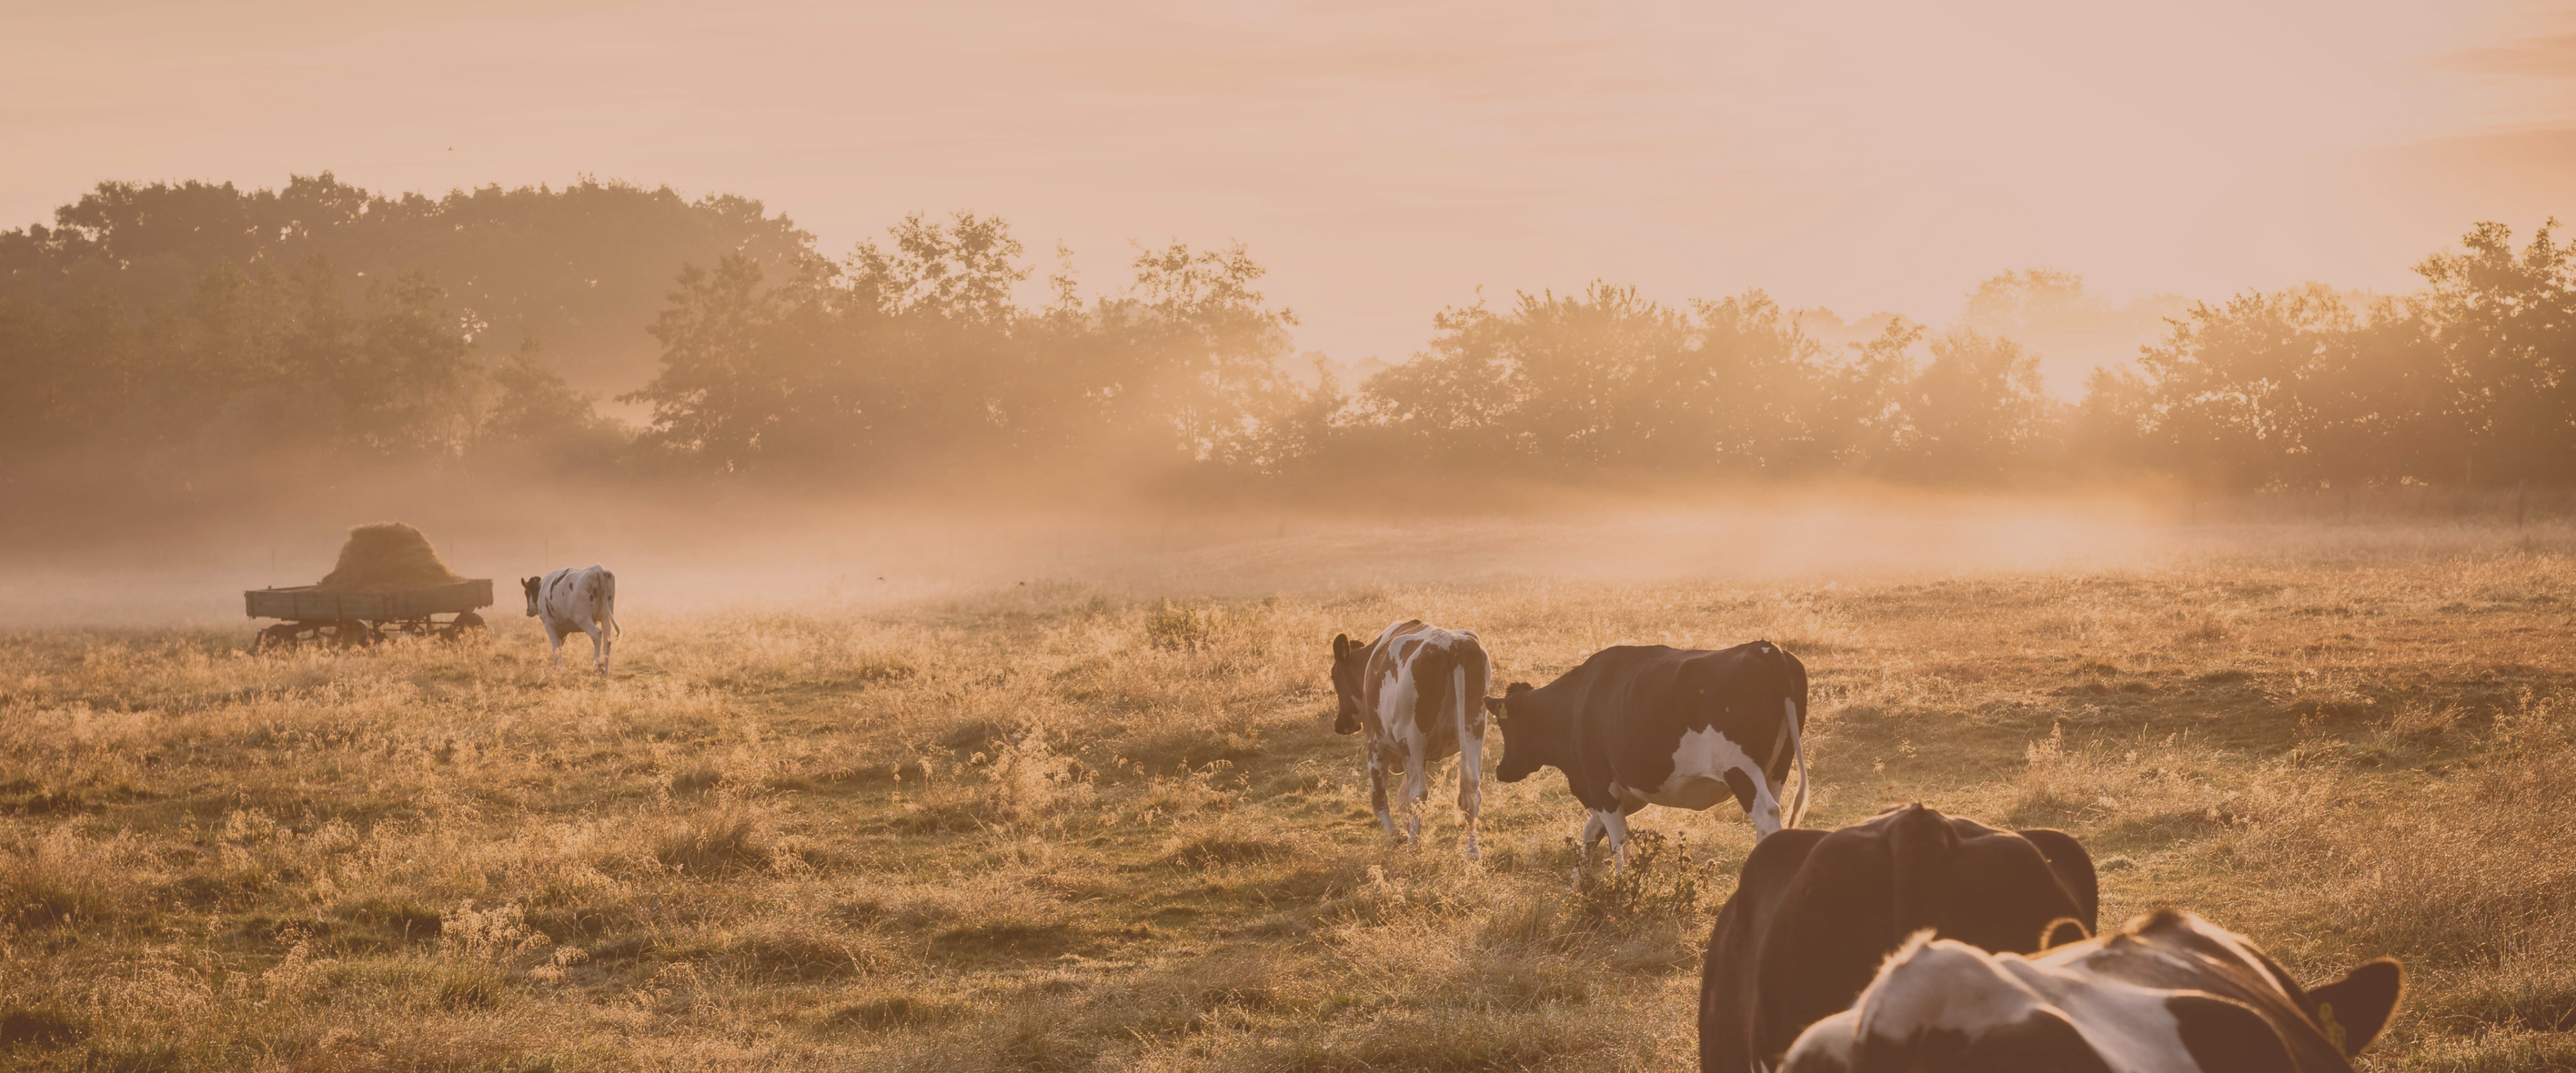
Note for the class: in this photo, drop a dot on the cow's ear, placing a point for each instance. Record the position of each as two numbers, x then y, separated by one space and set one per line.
1494 705
2226 1037
1341 647
2354 1009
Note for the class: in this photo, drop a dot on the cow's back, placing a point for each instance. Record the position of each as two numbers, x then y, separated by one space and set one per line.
1801 946
1443 669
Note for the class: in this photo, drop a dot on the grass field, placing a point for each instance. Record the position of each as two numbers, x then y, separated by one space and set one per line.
1058 826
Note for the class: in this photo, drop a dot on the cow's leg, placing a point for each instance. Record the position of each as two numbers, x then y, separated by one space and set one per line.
1417 785
555 636
598 646
1471 790
1377 792
1471 759
1615 823
1594 829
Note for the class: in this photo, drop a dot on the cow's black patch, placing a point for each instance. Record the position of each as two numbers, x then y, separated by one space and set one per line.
2225 1037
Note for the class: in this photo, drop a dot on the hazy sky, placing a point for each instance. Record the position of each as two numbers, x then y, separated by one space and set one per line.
1386 159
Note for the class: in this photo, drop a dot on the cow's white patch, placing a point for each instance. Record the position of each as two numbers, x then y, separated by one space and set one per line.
1941 985
1396 697
1700 763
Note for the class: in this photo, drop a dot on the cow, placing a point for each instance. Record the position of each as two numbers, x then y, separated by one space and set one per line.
1640 725
1815 913
1417 692
571 600
2168 992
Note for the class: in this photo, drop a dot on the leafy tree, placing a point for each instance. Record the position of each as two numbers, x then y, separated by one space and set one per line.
584 265
733 379
1196 350
2230 412
1860 409
535 417
2506 328
1973 414
916 354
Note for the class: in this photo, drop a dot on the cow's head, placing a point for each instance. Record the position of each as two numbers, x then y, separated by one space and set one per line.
1349 662
1529 737
529 584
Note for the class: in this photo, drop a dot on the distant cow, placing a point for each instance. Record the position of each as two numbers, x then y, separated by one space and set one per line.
2167 993
1641 725
571 600
1815 913
1417 691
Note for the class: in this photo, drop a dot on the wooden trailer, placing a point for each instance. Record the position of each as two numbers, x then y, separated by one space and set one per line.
315 616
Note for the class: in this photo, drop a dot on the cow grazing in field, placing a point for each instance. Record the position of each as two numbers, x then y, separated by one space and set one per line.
1416 694
1814 914
1641 725
569 601
2167 993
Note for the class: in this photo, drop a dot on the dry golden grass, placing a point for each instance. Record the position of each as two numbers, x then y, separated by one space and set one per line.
1056 828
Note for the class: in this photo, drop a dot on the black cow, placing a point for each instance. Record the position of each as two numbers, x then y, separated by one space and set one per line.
1815 913
1641 725
2168 992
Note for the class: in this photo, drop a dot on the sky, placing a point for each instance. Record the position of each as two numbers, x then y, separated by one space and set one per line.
1386 159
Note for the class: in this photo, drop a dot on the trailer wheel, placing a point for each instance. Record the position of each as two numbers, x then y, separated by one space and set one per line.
278 638
350 633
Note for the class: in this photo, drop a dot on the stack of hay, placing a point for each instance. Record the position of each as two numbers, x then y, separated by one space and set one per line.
387 557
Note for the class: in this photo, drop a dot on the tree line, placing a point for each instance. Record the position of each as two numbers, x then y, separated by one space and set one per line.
189 327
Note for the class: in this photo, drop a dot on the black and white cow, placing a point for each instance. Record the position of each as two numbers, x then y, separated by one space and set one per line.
1417 691
2167 993
571 600
1641 725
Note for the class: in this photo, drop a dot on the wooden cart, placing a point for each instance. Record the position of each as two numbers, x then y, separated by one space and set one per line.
357 619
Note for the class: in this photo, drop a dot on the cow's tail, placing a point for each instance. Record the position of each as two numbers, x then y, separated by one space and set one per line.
1473 676
1458 699
604 597
1793 711
1919 850
1797 745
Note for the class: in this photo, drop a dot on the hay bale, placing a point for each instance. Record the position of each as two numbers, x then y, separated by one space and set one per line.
386 557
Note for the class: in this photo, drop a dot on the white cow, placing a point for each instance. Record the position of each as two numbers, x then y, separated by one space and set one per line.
570 600
1418 691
